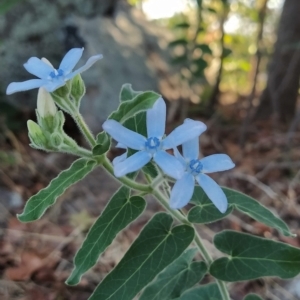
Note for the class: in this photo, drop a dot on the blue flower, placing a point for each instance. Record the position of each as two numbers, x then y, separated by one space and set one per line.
195 169
50 78
155 145
122 157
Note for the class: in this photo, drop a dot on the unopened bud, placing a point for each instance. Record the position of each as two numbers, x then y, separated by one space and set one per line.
36 134
45 104
56 139
78 89
59 121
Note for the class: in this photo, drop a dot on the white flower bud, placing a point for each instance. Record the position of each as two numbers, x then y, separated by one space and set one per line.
45 104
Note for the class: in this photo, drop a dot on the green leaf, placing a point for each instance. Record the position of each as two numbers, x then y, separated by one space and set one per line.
183 25
179 59
103 144
130 108
7 5
204 48
119 212
150 169
212 10
128 93
204 292
206 212
181 42
253 257
252 297
179 276
200 63
156 247
37 204
226 52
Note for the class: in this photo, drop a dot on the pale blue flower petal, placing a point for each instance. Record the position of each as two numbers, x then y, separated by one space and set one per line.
179 157
88 64
213 191
38 68
216 163
132 163
190 149
182 191
183 133
120 145
70 60
51 86
169 164
24 86
156 119
119 159
123 135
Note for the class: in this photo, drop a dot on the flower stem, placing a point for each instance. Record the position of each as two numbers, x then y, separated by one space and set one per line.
164 202
125 180
205 254
79 151
84 128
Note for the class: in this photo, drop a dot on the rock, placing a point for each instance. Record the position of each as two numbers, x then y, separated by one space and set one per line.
134 50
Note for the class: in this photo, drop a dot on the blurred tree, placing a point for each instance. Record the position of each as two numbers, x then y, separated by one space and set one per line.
214 98
284 69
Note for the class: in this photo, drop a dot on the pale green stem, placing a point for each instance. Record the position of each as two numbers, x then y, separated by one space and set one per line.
164 202
84 128
125 180
79 151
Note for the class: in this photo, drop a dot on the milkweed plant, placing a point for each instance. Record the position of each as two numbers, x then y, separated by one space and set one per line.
162 263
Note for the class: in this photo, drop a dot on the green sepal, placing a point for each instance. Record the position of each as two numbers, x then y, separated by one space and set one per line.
157 246
252 257
63 102
206 212
120 211
46 123
59 120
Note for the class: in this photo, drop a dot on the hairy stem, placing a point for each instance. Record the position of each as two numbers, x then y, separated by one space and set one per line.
79 151
125 180
84 129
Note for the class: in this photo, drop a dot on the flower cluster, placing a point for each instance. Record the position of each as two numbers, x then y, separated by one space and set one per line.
185 169
49 77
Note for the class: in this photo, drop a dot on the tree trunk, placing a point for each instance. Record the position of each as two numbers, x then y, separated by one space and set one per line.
280 95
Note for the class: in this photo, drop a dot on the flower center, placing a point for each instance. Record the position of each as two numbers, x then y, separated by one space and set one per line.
55 74
152 144
195 166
